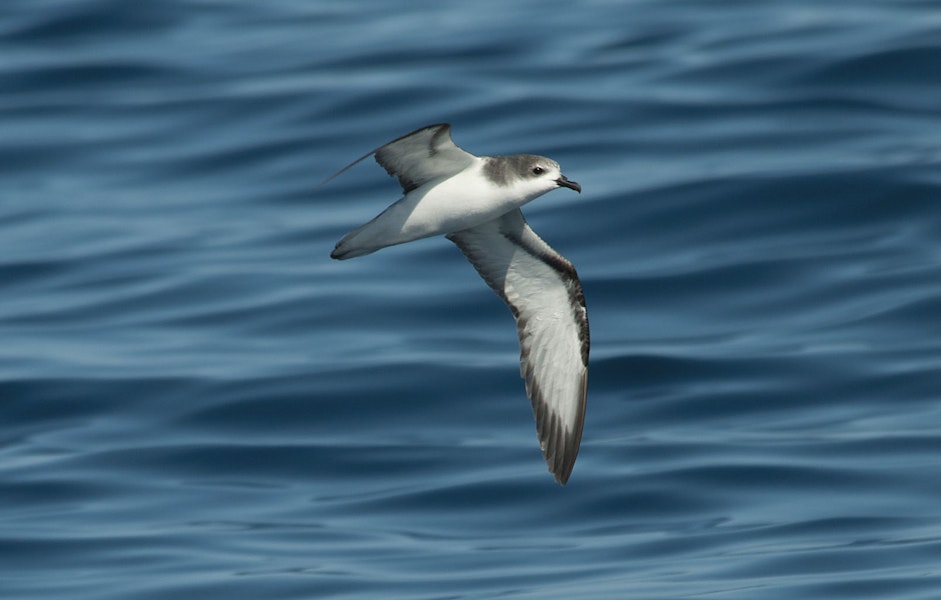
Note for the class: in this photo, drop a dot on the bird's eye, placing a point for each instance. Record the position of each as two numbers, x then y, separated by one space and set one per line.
538 170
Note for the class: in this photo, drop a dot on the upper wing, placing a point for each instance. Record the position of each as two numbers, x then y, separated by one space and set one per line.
544 294
419 156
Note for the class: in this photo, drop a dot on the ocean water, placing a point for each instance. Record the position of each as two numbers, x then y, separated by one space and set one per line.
196 402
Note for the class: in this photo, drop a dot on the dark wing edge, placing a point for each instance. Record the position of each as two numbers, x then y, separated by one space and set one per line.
559 444
407 186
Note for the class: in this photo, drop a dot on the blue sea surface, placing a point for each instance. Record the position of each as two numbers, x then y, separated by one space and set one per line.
197 402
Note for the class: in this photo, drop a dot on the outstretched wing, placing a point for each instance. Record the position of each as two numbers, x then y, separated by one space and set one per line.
545 296
418 157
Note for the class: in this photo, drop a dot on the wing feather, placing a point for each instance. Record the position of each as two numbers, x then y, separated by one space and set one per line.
545 296
418 157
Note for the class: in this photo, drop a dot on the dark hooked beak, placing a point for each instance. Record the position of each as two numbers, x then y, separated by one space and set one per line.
572 185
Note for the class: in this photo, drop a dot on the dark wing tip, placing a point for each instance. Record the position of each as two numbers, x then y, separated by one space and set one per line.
446 128
388 161
559 443
558 440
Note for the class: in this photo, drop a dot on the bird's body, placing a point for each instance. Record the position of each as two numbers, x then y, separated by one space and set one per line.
475 202
439 207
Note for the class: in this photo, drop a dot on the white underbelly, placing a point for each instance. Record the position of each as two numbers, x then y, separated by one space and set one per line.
457 203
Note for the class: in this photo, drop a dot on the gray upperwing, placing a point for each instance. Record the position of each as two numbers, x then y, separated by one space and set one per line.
418 157
545 296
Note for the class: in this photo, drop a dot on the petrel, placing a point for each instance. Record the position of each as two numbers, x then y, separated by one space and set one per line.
475 202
